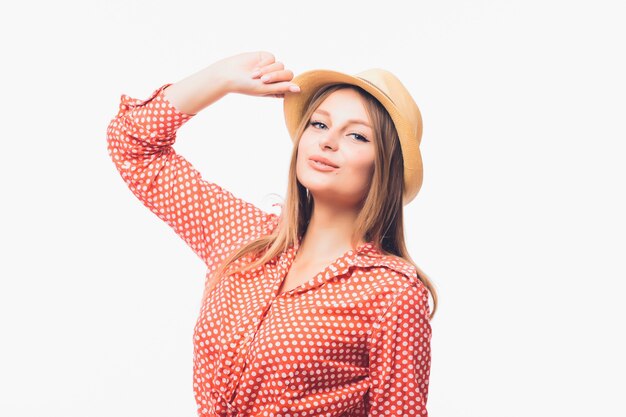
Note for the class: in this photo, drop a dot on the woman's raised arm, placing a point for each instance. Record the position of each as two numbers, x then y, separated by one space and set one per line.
140 138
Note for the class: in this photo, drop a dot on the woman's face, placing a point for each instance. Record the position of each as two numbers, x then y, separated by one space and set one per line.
340 131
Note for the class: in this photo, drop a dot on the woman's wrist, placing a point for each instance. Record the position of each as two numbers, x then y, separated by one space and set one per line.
197 91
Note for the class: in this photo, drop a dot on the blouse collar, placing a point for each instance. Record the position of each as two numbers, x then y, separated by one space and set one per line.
365 255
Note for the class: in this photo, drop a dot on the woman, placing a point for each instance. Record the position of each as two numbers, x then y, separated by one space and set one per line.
318 311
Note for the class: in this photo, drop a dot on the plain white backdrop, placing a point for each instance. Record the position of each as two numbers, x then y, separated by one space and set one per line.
520 221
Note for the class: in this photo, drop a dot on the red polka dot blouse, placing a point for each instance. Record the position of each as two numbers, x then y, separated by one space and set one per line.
352 341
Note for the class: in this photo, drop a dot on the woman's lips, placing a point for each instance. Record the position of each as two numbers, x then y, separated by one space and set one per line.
321 166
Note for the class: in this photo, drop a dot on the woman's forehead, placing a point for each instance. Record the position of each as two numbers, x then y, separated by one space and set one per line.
343 102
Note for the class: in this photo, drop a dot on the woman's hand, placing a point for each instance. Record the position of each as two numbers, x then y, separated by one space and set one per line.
244 73
256 74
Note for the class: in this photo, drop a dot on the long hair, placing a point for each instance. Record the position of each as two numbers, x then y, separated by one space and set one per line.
380 219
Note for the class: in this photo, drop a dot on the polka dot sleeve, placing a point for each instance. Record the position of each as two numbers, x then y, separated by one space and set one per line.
202 213
400 357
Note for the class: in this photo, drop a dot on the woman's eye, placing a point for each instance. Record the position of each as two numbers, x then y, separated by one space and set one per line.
360 137
315 124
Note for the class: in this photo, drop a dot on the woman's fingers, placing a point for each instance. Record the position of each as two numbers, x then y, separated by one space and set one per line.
276 80
265 58
260 71
272 77
280 88
259 74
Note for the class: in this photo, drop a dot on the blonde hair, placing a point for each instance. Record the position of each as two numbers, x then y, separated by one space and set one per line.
380 219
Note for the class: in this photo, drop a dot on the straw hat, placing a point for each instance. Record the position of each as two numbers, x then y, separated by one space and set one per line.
390 92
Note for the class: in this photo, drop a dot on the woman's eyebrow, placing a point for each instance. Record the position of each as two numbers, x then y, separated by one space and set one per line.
353 121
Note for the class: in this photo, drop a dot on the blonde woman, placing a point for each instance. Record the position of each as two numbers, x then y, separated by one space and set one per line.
318 311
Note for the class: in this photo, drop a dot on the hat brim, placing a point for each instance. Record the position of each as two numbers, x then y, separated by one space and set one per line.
309 82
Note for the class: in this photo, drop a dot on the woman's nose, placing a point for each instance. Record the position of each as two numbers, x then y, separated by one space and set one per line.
330 140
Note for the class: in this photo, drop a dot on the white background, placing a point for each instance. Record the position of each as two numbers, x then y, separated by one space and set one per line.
520 221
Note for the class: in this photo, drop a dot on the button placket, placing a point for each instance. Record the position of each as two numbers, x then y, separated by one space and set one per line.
244 340
242 357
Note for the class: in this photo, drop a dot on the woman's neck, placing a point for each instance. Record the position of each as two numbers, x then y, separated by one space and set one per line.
328 234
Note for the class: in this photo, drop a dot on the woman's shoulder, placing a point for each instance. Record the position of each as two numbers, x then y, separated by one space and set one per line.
389 269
